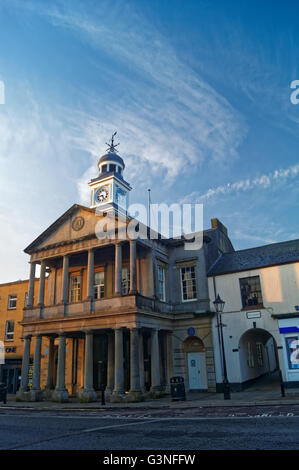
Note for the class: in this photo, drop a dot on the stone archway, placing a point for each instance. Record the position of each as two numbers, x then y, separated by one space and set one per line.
257 354
195 360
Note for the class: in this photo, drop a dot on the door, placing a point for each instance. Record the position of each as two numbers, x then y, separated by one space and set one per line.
197 371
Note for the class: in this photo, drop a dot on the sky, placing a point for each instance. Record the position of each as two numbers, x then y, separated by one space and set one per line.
198 92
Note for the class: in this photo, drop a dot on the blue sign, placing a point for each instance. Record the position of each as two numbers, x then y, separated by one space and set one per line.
191 331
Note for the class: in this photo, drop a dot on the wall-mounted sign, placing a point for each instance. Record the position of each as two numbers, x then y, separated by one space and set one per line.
191 331
254 314
12 349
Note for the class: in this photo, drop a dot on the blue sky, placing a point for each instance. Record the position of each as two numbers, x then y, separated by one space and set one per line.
199 92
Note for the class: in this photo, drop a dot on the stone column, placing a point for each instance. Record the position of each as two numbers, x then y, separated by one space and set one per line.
110 365
65 279
61 394
25 369
155 361
169 360
133 272
31 284
134 364
119 362
41 294
90 274
49 384
35 393
141 362
88 394
118 268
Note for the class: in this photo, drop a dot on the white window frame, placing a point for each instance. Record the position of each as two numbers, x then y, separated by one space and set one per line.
9 335
125 281
182 286
14 298
77 289
99 289
162 282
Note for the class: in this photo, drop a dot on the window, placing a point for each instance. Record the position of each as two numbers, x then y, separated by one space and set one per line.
99 285
104 168
188 283
12 301
125 281
259 354
251 292
112 167
250 358
26 299
161 283
292 346
75 292
9 330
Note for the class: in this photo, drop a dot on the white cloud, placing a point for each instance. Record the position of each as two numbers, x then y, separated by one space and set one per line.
279 176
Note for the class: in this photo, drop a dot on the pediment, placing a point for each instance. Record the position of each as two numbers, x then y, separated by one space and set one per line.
78 223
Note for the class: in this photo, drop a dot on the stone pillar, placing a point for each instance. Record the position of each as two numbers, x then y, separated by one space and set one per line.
35 393
41 294
49 384
88 394
134 364
169 360
110 364
61 394
65 279
90 275
155 361
118 268
119 362
133 272
23 391
141 362
31 284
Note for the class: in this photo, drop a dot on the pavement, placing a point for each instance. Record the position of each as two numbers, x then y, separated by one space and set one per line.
265 392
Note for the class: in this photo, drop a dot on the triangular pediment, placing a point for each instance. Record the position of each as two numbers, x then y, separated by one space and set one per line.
78 223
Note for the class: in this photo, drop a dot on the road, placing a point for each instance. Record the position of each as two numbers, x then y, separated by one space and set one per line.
274 427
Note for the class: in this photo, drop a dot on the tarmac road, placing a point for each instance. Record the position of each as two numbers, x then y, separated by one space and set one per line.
226 428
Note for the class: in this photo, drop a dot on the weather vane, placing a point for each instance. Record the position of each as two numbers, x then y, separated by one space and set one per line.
112 146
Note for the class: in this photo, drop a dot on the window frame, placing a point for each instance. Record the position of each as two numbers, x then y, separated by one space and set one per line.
6 338
97 286
72 276
246 306
127 280
194 299
12 297
288 351
162 268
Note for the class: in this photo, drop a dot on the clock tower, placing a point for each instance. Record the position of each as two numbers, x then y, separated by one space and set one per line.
109 190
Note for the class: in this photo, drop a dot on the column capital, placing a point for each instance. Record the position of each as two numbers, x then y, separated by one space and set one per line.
88 332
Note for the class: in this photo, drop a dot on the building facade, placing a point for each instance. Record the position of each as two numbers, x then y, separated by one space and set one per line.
117 313
260 287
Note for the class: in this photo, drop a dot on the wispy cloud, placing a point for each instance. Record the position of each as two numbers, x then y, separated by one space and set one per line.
175 118
278 177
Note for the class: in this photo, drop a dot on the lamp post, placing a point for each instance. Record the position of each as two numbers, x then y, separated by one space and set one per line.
219 306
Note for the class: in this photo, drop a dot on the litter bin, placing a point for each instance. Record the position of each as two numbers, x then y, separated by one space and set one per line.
177 388
3 392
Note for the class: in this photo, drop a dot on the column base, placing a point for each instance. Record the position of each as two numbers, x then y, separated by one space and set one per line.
36 395
48 393
21 395
135 395
87 396
60 396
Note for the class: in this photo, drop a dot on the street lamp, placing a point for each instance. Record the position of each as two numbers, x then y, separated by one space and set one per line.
219 306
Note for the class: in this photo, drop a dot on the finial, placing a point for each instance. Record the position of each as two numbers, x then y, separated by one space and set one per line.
112 146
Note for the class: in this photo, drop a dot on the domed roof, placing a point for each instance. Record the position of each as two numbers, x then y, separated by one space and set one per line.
112 157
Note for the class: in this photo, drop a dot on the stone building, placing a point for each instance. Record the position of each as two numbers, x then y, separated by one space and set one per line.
119 313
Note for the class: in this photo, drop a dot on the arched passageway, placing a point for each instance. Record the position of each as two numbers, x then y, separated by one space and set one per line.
258 356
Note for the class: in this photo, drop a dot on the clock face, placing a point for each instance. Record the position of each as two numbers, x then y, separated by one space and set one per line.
102 194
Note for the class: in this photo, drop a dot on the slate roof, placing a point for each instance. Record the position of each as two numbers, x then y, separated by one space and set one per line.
254 258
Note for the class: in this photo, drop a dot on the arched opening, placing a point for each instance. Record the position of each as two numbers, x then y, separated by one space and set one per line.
195 355
258 357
